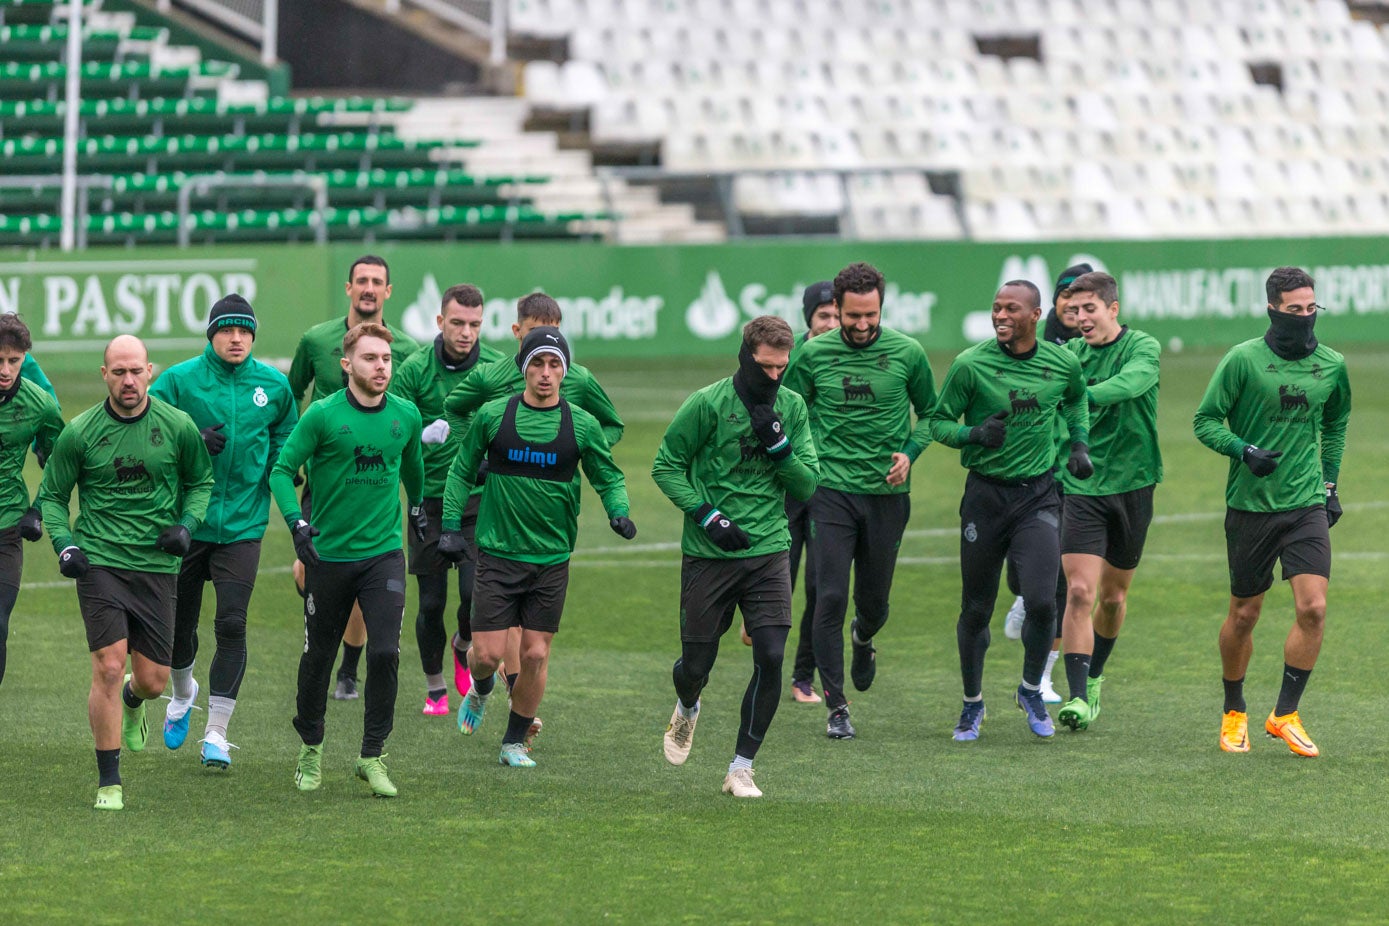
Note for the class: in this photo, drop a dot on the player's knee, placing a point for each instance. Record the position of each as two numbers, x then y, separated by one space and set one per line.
831 601
1244 615
1311 615
1080 594
230 628
974 616
108 669
149 681
1112 601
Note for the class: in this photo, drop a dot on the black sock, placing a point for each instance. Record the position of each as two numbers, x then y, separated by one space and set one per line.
1234 695
1294 680
437 693
511 680
128 696
1077 669
108 767
1103 647
351 656
484 684
516 728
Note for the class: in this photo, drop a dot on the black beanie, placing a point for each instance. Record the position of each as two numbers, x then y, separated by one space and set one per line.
543 339
1067 277
231 309
816 295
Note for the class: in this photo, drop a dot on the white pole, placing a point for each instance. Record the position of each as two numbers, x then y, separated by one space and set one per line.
68 203
498 56
271 35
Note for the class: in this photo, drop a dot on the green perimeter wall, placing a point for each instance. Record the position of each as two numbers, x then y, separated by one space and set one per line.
673 300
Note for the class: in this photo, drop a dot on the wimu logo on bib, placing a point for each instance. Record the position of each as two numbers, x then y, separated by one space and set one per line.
532 457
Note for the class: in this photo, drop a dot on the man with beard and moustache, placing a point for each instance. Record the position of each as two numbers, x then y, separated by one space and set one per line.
361 445
1278 407
425 379
318 361
733 455
1010 391
861 389
143 480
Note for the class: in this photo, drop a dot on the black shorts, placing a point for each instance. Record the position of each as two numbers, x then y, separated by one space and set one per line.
221 562
1112 526
710 590
120 604
509 593
11 557
424 554
1300 538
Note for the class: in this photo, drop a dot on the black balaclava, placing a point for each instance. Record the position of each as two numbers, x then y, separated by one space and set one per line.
1290 336
751 382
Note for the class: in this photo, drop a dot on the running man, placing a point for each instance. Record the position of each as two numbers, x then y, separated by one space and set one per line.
425 379
360 445
28 416
144 480
1105 519
318 362
736 451
533 443
1278 407
244 411
1010 391
861 389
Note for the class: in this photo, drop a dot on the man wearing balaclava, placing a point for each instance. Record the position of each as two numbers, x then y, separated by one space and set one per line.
1277 406
1060 325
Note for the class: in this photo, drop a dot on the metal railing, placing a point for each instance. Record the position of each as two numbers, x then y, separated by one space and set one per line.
485 19
256 20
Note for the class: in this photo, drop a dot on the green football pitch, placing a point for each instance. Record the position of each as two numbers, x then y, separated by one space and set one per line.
1139 819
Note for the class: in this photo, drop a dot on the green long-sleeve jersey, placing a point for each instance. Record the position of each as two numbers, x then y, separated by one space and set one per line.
317 358
1300 407
1034 389
134 477
29 416
861 401
34 373
426 379
1121 380
500 380
709 455
356 456
252 402
532 518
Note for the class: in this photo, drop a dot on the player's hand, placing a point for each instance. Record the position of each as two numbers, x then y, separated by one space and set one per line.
1333 506
304 533
452 546
726 535
623 527
1261 462
419 522
1079 464
766 424
31 524
213 437
73 563
436 432
991 433
900 468
174 540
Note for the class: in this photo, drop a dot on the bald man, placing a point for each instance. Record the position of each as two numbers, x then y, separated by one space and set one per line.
144 479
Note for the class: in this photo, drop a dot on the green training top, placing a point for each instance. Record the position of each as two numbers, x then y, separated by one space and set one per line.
426 379
710 455
356 457
134 477
31 371
316 359
28 416
528 514
252 402
1300 407
860 401
1121 380
500 380
1034 389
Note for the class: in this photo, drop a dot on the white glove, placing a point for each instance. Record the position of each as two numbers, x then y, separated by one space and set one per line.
436 432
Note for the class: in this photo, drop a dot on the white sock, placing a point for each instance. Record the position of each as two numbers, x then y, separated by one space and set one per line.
737 763
978 697
686 712
183 683
1051 664
219 711
1028 687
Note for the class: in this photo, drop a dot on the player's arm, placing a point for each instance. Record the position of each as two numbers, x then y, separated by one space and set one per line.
798 378
690 429
195 476
943 421
302 441
1221 393
301 370
1075 409
282 428
34 373
471 393
597 404
921 389
1138 374
412 464
55 491
50 427
596 458
799 473
458 484
1335 418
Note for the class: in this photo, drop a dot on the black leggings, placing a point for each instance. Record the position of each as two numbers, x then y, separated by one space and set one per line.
232 570
760 699
430 632
8 594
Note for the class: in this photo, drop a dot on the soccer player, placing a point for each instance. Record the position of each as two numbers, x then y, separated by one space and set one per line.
144 480
528 519
1105 519
360 444
734 453
1278 407
821 315
318 362
28 415
425 379
1009 391
861 388
244 411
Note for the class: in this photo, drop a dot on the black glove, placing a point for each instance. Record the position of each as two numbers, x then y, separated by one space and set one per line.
766 424
481 476
991 433
298 479
1079 464
1333 506
174 539
1261 462
726 535
41 456
419 522
452 546
31 524
304 533
214 438
623 527
73 563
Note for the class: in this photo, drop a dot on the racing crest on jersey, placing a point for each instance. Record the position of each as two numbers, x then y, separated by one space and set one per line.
260 398
858 389
368 458
156 437
395 428
1023 400
884 361
1316 371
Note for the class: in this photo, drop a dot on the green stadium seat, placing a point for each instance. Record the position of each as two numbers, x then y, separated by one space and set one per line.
136 80
28 42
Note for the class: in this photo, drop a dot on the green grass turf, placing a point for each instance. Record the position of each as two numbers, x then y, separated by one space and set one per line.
1140 819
